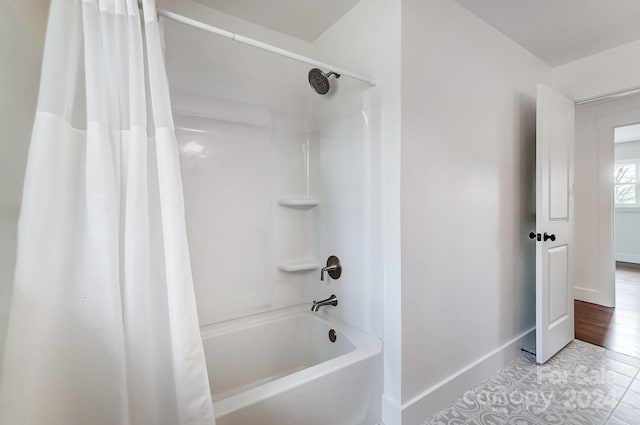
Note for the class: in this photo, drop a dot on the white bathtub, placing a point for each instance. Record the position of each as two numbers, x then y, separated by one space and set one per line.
280 368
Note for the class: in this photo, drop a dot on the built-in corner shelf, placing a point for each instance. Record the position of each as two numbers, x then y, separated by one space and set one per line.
299 203
302 265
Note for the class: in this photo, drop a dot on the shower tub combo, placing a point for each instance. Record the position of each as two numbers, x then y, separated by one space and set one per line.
289 366
281 368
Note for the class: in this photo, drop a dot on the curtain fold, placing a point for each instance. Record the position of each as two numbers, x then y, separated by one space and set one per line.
103 327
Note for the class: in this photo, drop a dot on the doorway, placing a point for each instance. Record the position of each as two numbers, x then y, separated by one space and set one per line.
618 328
625 331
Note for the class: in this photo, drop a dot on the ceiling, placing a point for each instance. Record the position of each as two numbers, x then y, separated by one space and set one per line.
302 19
630 133
560 31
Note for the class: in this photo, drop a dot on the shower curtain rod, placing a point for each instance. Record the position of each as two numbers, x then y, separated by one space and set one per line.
260 45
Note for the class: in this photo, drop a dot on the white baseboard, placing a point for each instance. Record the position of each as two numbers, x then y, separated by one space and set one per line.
391 412
590 296
628 258
434 399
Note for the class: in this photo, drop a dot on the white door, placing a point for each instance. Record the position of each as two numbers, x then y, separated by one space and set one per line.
554 222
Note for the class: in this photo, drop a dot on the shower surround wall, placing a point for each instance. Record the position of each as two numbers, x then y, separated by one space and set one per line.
253 135
235 169
346 135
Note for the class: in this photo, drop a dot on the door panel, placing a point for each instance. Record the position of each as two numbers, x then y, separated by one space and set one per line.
554 222
558 177
558 277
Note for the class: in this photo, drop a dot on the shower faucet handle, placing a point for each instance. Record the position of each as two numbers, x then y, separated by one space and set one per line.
333 268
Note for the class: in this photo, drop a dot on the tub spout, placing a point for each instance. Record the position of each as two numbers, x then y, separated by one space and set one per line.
332 300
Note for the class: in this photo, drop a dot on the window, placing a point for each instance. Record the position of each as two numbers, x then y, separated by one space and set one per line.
626 184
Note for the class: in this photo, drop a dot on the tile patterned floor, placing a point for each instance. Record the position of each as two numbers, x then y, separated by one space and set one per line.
583 385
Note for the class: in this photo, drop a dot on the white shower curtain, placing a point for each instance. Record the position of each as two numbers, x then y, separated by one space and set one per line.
103 327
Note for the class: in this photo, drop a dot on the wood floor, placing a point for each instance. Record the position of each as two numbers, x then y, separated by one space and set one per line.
617 329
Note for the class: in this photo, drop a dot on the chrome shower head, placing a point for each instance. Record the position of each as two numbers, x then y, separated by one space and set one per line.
320 81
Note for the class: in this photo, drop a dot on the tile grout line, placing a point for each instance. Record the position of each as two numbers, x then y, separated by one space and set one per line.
602 357
626 390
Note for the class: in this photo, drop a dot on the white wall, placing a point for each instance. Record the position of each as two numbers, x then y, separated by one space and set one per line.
468 199
627 221
22 30
593 196
8 230
605 72
628 150
367 40
627 236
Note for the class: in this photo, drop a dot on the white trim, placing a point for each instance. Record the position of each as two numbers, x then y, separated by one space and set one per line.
621 209
592 296
627 161
606 277
610 95
391 411
605 280
263 46
435 398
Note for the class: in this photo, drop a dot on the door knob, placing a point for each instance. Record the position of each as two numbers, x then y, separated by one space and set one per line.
536 236
547 237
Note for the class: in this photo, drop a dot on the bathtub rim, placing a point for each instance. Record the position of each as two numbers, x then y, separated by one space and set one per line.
365 346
